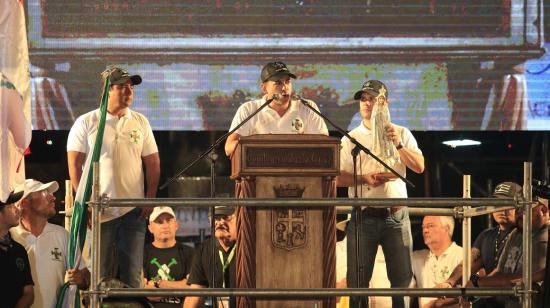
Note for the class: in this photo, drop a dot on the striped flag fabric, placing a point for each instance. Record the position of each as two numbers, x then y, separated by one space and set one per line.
14 66
69 295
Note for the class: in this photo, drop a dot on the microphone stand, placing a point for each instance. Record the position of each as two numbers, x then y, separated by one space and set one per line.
357 209
217 142
355 142
358 227
213 158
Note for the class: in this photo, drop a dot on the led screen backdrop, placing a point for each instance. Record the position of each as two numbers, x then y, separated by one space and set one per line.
201 59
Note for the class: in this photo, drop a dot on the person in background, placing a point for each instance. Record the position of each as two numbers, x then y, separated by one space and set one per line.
16 284
166 262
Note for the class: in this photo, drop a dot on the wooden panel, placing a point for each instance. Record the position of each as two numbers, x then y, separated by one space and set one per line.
300 267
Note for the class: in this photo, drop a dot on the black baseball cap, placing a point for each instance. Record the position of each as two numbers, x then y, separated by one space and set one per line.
274 70
508 190
12 198
373 87
118 75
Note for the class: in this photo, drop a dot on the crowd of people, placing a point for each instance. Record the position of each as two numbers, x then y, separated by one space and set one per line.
34 252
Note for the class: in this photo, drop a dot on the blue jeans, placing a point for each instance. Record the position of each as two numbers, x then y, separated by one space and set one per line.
393 233
126 236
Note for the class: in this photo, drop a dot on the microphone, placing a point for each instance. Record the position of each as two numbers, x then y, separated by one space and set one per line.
275 97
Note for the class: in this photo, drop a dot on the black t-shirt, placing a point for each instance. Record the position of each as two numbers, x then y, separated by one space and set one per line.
16 273
167 264
201 269
490 243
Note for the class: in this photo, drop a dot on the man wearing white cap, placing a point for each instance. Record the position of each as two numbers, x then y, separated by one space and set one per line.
46 243
166 262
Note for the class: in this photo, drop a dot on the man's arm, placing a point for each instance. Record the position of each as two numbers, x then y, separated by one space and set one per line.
27 299
231 143
412 159
345 179
75 161
152 174
194 302
456 275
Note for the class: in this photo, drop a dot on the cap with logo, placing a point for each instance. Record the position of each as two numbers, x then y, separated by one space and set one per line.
118 75
159 210
373 87
274 71
29 186
508 190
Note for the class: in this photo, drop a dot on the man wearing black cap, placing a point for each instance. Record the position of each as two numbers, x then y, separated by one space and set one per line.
510 264
16 286
388 227
489 244
284 115
128 142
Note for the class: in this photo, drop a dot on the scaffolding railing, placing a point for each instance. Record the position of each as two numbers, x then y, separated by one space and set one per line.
461 208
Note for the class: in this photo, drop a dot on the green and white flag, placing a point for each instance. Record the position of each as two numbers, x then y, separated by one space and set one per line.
69 295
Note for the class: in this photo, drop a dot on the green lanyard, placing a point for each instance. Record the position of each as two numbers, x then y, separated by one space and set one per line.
225 265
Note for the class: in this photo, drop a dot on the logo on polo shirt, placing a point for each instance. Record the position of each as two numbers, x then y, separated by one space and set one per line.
20 264
56 254
298 126
135 136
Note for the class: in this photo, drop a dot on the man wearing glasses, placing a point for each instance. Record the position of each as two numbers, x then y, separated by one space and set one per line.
224 259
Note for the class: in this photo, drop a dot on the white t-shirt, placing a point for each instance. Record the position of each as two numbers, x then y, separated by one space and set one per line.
298 119
125 141
15 136
429 270
390 189
48 260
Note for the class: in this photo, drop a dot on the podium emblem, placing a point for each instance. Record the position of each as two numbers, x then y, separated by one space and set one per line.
289 225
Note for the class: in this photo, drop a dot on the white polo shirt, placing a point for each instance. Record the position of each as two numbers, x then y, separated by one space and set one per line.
390 189
298 119
125 141
429 270
47 257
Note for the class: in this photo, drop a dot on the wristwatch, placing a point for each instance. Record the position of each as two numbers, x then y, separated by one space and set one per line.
399 146
156 283
475 279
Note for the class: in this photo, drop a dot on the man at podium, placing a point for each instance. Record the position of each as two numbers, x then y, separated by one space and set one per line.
284 115
389 227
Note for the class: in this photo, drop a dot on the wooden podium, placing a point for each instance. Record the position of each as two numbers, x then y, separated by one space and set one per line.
286 247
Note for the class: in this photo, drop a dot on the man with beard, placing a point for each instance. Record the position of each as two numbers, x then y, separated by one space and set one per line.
283 115
46 243
510 264
129 166
433 265
224 260
16 285
488 245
